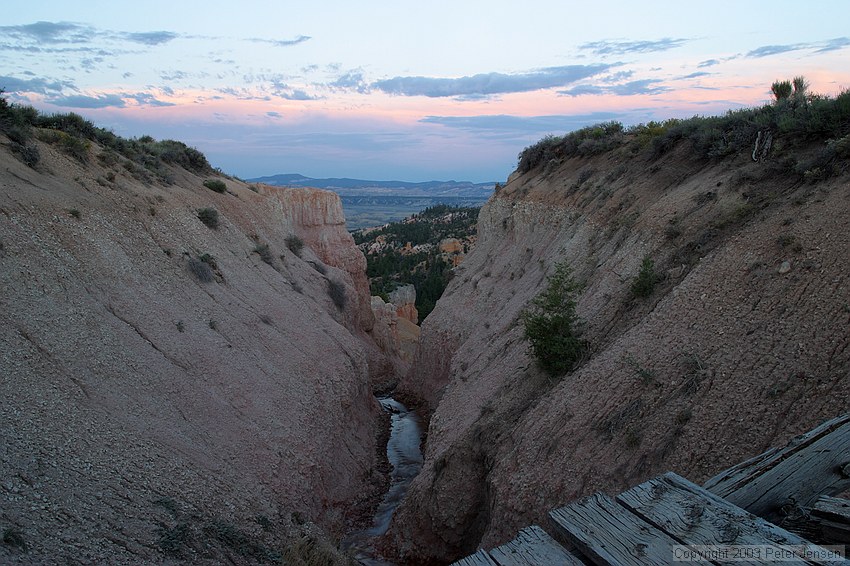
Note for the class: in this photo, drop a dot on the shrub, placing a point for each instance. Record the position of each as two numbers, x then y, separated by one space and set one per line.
77 148
643 134
801 87
336 290
173 540
108 158
591 140
541 152
74 134
265 253
216 185
209 216
12 537
295 244
644 283
29 154
201 269
584 176
179 153
781 90
72 124
551 323
683 417
209 260
228 536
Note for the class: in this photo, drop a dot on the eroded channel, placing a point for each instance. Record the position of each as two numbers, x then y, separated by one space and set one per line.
405 456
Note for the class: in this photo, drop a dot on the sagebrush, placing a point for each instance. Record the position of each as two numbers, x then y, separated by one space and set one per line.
209 216
146 158
216 185
795 118
336 291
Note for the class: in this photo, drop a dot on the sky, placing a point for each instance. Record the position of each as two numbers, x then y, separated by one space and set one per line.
403 90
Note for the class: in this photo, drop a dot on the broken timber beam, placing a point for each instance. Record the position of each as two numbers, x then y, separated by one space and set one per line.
532 547
833 517
608 534
694 516
781 480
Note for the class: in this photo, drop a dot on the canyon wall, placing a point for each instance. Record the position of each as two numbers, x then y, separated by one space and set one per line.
742 344
168 386
396 333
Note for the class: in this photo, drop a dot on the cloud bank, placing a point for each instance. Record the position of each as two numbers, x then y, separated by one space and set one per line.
622 47
490 83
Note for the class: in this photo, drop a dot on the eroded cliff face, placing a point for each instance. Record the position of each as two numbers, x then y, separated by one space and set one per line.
154 402
396 333
316 217
742 345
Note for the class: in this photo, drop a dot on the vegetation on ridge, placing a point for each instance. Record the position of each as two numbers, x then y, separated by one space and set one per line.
795 117
145 157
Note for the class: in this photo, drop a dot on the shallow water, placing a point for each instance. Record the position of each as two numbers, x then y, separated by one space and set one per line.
405 457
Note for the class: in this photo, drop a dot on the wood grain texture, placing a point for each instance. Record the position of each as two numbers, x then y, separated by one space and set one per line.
609 534
833 517
480 558
695 516
813 464
533 547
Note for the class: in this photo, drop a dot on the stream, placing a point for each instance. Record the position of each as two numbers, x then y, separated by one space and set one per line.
405 457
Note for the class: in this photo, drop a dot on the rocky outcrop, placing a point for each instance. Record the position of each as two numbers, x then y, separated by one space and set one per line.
168 384
404 300
397 337
317 218
454 251
741 345
451 246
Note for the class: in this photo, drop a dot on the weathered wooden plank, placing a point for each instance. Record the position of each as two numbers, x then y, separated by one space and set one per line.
480 558
834 507
833 517
533 547
695 516
813 464
609 534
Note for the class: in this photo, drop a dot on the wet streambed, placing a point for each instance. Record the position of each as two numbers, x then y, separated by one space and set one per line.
406 459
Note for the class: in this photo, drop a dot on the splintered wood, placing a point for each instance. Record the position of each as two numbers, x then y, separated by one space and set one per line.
668 519
533 546
609 533
774 483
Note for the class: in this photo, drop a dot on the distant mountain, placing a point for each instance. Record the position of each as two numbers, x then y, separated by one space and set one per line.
362 187
374 203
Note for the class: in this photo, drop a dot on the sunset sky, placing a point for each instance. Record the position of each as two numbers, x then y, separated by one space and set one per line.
405 90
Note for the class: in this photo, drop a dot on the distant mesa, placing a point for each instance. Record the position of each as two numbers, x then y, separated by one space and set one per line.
375 203
360 187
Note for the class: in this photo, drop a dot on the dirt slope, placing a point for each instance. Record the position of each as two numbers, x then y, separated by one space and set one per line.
150 415
742 345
